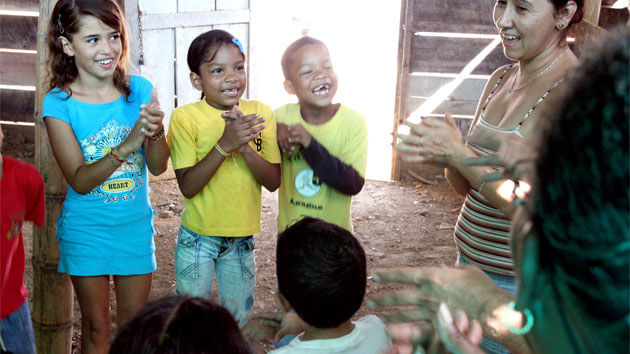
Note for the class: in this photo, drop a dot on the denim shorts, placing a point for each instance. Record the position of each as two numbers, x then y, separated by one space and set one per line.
16 332
198 258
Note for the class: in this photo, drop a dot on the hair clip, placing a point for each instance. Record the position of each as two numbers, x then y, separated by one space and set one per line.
238 44
61 30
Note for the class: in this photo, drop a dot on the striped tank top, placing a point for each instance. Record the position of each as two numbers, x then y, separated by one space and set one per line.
482 232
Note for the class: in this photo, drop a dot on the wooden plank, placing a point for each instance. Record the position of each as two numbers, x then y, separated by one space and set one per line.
17 69
186 93
423 86
451 55
591 10
20 5
232 4
159 67
18 32
404 51
453 106
194 19
460 16
17 105
148 7
195 5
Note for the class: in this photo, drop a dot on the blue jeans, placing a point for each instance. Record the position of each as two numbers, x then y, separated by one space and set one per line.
16 332
199 257
508 284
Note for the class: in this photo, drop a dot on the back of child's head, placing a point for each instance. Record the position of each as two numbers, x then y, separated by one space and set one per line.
65 22
321 272
289 53
204 48
181 325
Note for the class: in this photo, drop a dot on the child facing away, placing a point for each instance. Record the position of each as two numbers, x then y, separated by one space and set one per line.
223 149
324 145
179 324
105 129
21 199
321 271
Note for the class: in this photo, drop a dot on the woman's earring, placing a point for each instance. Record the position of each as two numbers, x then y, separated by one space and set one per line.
560 25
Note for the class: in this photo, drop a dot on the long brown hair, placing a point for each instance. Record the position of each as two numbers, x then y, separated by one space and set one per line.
64 21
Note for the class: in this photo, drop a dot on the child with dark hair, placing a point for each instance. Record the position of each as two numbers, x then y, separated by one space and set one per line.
223 149
324 144
321 271
181 325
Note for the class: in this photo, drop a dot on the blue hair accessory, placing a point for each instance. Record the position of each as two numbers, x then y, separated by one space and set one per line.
238 44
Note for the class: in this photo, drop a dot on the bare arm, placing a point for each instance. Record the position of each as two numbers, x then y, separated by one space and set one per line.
266 173
84 177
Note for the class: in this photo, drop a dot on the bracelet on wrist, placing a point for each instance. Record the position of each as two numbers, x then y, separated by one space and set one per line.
157 136
114 152
221 151
112 159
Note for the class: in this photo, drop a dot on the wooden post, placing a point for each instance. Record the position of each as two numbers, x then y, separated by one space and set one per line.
404 51
591 11
52 291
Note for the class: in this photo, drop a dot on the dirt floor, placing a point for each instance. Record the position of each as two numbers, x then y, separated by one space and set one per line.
398 223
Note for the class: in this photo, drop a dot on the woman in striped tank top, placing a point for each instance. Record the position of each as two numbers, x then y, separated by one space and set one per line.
533 33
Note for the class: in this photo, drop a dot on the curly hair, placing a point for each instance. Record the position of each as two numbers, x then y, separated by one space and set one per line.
582 207
287 57
65 21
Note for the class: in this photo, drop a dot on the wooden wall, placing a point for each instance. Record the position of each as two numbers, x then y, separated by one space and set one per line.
431 57
17 69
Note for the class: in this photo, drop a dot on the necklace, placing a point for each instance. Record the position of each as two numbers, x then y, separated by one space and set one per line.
537 75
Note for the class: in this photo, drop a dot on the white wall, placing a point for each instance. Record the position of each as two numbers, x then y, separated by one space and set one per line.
362 36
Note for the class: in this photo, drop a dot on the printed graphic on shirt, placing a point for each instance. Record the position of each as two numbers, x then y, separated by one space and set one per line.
127 179
307 184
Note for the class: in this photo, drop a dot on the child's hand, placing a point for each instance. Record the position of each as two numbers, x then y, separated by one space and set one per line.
282 133
298 135
153 115
259 328
289 323
239 129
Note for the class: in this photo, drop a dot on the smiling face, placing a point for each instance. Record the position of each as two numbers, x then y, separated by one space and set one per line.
527 27
312 77
96 49
223 79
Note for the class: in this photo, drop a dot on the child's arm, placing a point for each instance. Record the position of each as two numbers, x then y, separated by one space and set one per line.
156 150
239 131
84 177
331 170
266 173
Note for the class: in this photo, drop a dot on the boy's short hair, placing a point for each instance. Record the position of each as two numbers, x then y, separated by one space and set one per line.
287 57
321 272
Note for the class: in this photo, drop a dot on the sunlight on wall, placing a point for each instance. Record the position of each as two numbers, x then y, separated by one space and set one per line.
362 37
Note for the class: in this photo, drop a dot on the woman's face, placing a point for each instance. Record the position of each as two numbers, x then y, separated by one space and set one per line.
527 27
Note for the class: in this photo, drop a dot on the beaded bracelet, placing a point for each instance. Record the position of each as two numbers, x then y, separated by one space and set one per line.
157 136
114 153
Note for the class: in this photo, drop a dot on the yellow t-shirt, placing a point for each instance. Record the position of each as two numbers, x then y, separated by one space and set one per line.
229 205
301 192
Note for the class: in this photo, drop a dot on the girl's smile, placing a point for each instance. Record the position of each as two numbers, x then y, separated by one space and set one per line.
222 80
96 49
